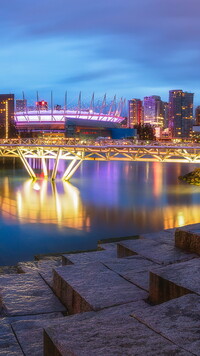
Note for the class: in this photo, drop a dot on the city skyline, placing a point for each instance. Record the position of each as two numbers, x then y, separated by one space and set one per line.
127 48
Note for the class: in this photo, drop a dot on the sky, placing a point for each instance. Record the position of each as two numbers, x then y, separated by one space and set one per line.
131 48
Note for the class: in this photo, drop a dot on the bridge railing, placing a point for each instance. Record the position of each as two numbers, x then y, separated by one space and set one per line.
93 142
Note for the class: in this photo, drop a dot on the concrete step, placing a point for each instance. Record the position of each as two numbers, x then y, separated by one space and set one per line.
29 332
110 332
135 269
24 294
8 342
188 240
153 250
93 286
175 280
163 236
177 320
88 257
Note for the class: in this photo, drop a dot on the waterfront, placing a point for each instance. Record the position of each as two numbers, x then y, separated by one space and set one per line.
103 200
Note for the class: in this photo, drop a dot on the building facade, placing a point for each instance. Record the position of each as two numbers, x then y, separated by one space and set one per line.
135 112
21 105
197 115
180 113
7 127
153 110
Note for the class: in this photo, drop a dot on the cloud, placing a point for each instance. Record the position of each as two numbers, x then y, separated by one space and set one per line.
111 45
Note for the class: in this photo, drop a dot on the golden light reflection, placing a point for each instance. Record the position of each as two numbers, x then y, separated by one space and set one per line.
158 178
44 202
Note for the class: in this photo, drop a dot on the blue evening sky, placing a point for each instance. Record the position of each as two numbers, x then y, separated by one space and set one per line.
131 48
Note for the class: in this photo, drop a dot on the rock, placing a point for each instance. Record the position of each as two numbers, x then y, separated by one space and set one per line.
192 177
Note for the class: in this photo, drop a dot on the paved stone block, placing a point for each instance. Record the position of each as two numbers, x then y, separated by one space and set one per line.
139 278
46 316
153 250
135 269
30 333
178 320
8 343
107 334
188 240
174 281
24 294
93 287
164 236
42 265
88 257
136 263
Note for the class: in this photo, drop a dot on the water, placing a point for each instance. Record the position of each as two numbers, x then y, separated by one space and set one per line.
103 200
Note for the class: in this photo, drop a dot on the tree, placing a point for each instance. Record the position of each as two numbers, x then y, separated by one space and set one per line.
145 132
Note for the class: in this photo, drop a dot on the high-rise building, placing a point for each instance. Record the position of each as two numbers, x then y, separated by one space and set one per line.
197 115
180 113
7 128
135 111
165 114
21 105
153 110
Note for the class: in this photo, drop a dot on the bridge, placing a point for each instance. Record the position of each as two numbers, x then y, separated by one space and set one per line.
75 152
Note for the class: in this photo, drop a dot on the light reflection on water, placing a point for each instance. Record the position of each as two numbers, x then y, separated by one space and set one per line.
104 199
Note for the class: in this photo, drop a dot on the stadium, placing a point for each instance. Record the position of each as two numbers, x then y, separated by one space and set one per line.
41 119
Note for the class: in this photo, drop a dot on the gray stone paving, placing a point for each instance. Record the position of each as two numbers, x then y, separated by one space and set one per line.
87 257
24 294
93 287
165 236
178 320
153 250
135 269
107 334
110 298
177 280
8 341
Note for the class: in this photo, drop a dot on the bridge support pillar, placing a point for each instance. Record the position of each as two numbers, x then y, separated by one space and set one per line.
55 168
44 167
71 169
26 165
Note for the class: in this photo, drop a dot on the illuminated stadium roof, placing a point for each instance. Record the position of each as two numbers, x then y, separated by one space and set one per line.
59 116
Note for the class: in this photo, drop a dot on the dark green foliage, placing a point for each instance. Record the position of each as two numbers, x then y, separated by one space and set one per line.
192 177
145 132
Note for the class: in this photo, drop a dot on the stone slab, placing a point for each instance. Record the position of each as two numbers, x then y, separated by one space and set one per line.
30 331
24 294
163 236
153 250
107 334
136 263
47 316
88 257
188 240
39 266
135 269
93 287
139 278
30 334
174 281
178 320
8 342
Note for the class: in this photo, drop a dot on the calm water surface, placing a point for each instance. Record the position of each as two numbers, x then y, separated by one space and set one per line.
103 199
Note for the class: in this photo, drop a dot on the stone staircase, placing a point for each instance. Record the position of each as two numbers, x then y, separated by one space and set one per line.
132 297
